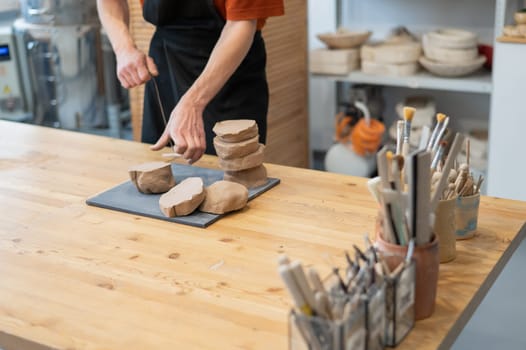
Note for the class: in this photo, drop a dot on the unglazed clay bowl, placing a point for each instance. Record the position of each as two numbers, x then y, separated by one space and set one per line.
520 17
344 39
452 70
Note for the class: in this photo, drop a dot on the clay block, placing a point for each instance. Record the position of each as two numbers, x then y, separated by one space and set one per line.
249 161
184 198
236 130
229 150
223 197
249 178
153 177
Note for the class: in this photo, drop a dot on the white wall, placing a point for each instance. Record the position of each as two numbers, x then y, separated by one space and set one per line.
322 100
508 124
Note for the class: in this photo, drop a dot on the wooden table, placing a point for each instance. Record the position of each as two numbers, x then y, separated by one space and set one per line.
79 277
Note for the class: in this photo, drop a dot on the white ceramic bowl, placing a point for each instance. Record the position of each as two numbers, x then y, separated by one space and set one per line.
344 39
452 70
448 55
452 38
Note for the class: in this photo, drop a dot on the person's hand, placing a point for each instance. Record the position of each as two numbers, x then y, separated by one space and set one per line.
186 129
134 67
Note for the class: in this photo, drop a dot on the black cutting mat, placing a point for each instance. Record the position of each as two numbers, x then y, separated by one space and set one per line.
125 197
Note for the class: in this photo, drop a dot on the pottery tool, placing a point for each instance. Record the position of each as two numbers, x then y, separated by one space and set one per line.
397 212
399 136
453 153
283 260
440 135
409 113
438 155
294 290
467 151
419 175
389 160
440 120
171 155
301 280
315 280
161 108
381 161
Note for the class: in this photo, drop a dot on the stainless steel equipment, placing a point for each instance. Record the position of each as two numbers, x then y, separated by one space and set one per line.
62 70
12 102
59 12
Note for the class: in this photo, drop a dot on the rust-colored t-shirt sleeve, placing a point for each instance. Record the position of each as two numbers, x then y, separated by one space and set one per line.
237 10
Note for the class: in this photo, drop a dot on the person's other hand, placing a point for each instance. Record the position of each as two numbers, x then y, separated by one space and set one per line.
186 129
134 67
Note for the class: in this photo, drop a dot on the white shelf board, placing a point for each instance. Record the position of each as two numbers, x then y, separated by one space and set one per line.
479 82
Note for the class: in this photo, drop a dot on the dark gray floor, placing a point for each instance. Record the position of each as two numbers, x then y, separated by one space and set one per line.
499 322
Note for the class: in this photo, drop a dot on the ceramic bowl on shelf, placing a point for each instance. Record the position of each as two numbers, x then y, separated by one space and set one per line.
443 54
520 17
452 69
344 39
452 38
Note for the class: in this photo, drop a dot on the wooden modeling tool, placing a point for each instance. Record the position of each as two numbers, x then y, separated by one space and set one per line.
295 292
389 160
301 281
453 153
171 155
381 161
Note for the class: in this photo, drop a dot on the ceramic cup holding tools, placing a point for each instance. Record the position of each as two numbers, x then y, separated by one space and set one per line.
427 261
466 216
445 229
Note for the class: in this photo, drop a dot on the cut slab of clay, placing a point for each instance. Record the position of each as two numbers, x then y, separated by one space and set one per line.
223 197
229 150
153 177
236 130
249 161
249 178
184 198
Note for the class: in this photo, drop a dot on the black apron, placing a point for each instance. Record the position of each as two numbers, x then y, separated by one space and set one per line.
187 31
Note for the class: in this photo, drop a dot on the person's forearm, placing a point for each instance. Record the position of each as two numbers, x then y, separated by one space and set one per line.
230 50
115 18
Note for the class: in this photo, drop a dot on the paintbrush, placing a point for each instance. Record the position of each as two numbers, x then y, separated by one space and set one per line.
441 117
409 113
441 133
399 136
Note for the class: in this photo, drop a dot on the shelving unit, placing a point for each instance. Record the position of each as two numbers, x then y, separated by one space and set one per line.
477 83
471 96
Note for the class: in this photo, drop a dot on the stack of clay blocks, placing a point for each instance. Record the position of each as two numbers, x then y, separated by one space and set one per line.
240 153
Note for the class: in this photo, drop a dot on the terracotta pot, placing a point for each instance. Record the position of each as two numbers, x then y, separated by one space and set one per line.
444 228
426 259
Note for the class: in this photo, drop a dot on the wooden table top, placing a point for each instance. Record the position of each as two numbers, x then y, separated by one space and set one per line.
80 277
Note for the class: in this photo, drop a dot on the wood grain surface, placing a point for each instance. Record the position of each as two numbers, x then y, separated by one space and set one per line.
79 277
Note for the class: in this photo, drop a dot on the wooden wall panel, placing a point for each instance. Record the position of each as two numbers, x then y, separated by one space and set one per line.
286 41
